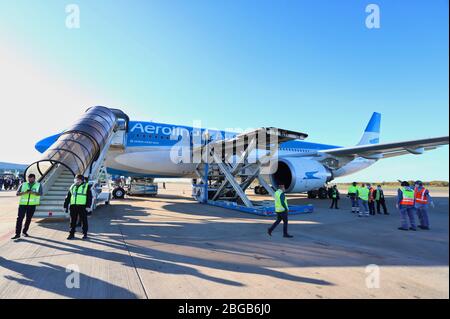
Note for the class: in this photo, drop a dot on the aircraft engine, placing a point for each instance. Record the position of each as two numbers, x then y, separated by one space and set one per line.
300 174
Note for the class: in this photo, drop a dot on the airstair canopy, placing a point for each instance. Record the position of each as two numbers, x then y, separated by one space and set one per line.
80 145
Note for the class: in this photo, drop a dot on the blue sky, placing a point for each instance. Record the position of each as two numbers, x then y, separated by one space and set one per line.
311 66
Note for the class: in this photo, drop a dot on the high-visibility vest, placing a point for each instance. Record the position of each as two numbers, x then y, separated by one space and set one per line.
421 197
363 193
30 199
352 189
378 194
408 197
334 193
278 206
78 194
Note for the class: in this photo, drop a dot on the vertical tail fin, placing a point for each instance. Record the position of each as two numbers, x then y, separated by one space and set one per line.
372 132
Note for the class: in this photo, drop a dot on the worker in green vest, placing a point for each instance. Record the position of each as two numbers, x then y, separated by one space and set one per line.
334 197
380 200
281 209
30 193
79 201
352 193
363 199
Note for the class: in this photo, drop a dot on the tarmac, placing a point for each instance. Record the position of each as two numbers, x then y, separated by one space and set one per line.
170 246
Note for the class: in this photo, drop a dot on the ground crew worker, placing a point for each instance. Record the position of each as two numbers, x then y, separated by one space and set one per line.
79 200
405 204
334 197
371 201
422 200
281 209
380 200
352 193
30 194
363 200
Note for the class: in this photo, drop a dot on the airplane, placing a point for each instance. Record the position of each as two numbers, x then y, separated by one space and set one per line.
302 166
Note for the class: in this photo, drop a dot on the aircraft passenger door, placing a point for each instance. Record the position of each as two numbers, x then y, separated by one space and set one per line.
119 139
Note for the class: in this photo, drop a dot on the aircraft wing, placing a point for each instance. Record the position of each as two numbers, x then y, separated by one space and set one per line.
385 150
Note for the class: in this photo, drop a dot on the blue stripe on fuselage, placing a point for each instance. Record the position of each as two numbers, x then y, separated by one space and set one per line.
151 134
158 134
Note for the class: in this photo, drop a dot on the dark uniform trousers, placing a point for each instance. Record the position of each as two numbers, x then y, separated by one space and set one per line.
381 202
281 217
334 203
372 207
78 212
24 211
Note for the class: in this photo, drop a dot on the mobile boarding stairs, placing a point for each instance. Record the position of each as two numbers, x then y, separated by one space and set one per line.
81 149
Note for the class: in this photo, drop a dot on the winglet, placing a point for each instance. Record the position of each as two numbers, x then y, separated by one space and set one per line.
372 132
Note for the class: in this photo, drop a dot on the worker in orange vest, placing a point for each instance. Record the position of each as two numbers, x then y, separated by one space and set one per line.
405 204
422 200
371 199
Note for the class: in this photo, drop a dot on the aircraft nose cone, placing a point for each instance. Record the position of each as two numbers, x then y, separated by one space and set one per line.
45 143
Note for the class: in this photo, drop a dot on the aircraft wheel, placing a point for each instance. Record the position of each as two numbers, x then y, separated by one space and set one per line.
118 193
312 194
323 193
